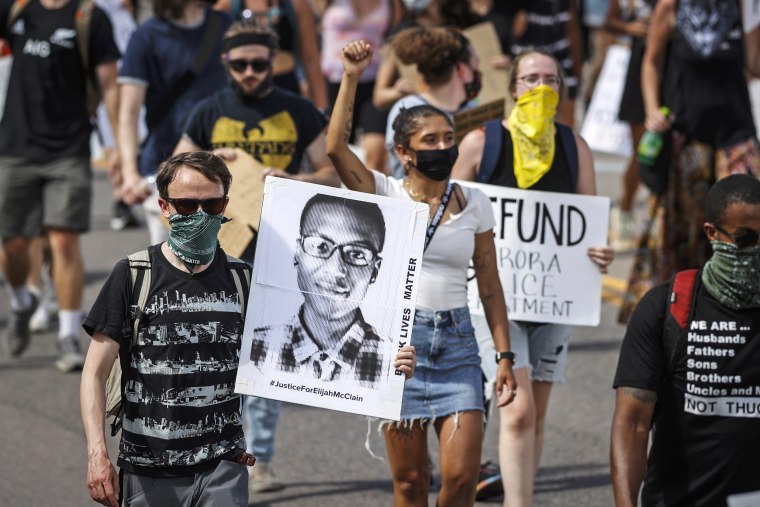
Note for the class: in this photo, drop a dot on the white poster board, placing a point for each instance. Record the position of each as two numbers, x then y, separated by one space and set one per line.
751 15
541 242
332 298
602 129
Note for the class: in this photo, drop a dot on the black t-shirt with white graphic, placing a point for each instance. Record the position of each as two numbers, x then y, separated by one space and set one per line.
181 414
45 110
275 130
706 437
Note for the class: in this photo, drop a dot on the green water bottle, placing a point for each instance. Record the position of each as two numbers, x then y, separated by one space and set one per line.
651 143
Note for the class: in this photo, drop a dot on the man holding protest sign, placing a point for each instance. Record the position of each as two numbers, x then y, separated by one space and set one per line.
182 434
277 128
532 152
337 258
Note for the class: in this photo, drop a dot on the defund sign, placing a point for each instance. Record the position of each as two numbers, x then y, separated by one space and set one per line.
542 240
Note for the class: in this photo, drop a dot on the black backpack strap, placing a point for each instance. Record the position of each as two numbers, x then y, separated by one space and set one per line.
567 137
200 59
491 151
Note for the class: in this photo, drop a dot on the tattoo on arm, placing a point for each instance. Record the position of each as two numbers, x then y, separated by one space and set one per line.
347 125
482 262
641 394
356 177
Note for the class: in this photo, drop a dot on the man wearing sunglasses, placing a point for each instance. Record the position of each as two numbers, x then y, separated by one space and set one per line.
337 257
182 424
274 126
277 128
696 381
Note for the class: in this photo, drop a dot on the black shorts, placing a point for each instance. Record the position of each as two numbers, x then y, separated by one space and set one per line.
632 102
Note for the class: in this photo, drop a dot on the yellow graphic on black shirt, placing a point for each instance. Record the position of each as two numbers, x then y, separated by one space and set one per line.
272 142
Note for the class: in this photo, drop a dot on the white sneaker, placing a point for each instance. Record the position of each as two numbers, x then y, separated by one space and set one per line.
40 321
261 479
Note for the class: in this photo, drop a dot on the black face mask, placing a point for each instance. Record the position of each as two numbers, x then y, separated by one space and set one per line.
262 90
437 164
472 89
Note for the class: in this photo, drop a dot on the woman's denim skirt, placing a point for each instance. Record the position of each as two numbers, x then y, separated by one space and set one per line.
447 379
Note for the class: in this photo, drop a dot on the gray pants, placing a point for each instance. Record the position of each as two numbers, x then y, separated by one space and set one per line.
223 486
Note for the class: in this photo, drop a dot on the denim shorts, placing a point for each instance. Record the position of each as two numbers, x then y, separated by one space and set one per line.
543 347
447 379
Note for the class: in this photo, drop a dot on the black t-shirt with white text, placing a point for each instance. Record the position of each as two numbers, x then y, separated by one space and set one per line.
45 111
706 436
181 414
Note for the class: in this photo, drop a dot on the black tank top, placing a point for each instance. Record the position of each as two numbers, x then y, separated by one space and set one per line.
705 85
556 180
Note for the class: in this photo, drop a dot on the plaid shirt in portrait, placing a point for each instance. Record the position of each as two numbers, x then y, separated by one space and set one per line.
361 356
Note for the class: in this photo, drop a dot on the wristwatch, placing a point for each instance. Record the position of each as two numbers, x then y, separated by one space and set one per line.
505 355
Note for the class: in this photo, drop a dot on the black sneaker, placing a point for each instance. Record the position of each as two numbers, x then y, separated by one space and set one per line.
489 482
122 217
70 356
15 338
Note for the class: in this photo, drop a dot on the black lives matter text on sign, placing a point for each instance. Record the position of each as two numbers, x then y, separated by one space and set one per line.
541 243
715 386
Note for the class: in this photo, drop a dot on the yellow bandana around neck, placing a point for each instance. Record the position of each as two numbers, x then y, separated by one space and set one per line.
531 124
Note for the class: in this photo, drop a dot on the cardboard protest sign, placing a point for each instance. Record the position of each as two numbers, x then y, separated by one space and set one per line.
246 195
541 243
485 40
332 298
602 129
471 119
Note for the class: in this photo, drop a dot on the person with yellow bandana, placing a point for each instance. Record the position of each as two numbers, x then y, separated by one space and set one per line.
532 152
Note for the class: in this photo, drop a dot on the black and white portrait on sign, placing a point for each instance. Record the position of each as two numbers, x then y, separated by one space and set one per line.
329 278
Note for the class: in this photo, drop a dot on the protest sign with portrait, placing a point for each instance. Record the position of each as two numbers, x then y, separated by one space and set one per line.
332 298
541 243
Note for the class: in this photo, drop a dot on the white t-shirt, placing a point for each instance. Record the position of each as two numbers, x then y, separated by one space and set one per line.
443 283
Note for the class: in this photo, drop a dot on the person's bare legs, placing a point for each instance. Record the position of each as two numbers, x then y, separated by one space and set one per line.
631 178
68 268
375 154
408 459
36 259
517 443
601 40
541 394
15 260
460 438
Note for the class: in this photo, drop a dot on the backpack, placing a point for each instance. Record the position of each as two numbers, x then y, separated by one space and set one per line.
683 296
140 278
492 151
83 20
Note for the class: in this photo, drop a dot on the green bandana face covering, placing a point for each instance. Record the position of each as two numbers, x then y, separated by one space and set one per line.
732 276
193 238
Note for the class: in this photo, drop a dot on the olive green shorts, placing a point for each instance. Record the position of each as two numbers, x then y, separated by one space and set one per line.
49 195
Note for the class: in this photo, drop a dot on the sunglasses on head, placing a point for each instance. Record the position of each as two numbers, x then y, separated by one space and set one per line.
258 65
212 206
745 239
